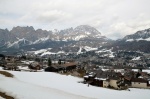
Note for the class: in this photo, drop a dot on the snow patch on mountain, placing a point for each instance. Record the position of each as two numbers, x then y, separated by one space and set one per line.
41 40
136 58
47 53
87 48
79 37
147 39
60 52
80 51
18 43
88 33
108 53
139 39
129 40
99 36
40 51
44 52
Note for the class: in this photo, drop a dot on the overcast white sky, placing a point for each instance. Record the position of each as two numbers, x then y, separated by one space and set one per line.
113 18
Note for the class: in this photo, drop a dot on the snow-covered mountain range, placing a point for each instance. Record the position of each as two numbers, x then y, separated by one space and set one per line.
70 40
29 33
28 38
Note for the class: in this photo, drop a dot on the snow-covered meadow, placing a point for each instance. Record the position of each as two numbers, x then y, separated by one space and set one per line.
46 85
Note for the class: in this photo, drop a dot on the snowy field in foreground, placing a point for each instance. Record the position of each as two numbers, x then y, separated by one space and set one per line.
1 98
46 85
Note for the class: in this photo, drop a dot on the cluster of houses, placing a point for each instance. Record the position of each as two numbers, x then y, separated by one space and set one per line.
117 79
10 62
18 64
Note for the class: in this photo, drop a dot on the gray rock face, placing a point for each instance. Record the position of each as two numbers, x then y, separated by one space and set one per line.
28 33
6 36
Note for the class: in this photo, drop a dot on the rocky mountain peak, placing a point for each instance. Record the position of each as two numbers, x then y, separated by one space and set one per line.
22 29
86 29
81 32
27 32
6 36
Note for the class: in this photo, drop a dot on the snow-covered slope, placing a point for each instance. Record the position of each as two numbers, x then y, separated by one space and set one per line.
1 98
45 85
23 90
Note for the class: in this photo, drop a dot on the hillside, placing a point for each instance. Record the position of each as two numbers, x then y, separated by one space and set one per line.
44 85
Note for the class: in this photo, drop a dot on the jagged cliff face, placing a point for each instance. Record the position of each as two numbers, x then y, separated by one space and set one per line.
28 33
6 36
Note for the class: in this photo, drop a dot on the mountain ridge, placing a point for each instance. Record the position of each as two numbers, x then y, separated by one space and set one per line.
29 38
70 39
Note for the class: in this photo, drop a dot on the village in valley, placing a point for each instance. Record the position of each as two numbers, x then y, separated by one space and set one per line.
119 70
